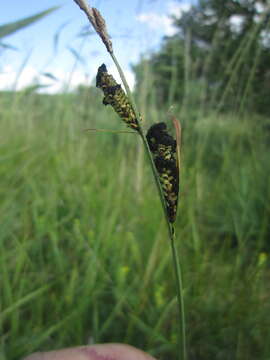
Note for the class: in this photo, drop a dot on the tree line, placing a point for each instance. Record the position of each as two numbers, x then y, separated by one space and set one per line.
218 57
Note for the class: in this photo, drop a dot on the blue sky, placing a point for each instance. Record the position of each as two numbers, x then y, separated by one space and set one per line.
136 28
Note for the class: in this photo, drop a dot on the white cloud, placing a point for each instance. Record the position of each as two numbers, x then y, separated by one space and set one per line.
177 9
265 38
130 76
157 22
236 22
11 80
164 22
260 8
64 80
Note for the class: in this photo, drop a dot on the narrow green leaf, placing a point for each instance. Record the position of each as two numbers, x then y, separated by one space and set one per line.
57 35
7 46
50 76
26 299
77 56
33 88
10 28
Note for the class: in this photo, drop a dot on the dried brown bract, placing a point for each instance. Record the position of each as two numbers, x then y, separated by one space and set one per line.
97 21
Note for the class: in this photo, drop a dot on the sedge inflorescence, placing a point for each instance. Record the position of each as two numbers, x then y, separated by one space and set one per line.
161 144
163 149
115 96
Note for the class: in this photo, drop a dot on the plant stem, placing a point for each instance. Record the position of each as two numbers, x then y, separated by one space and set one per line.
126 86
99 25
145 142
180 298
176 262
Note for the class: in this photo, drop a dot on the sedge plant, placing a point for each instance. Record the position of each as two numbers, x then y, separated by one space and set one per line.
163 152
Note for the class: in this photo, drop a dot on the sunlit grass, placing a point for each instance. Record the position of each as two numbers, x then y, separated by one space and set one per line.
83 256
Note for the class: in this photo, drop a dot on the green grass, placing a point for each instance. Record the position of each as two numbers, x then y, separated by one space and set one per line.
84 255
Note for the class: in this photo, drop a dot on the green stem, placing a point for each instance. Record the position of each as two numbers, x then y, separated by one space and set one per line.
123 78
180 298
176 262
145 142
89 12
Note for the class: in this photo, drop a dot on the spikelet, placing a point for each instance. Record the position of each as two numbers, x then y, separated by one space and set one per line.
163 148
116 97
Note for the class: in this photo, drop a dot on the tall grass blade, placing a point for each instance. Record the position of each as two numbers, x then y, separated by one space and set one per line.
10 28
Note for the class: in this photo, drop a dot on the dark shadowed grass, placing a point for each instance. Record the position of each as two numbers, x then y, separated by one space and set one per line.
83 256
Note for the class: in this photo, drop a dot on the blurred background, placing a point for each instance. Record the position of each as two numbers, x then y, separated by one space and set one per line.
84 256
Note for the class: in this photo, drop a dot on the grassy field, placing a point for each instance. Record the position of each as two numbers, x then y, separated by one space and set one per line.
84 256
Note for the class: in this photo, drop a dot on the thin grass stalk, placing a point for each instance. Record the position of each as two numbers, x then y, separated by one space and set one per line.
177 268
171 231
250 37
125 83
173 79
180 298
251 77
187 72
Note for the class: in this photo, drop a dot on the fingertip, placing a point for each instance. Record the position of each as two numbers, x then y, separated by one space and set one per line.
94 352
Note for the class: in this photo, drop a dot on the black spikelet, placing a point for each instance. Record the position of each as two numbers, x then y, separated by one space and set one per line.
163 148
116 97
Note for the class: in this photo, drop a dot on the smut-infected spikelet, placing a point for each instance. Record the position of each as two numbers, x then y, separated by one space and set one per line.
163 148
116 97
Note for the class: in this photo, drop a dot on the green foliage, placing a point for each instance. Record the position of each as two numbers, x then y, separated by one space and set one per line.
167 67
82 250
223 48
